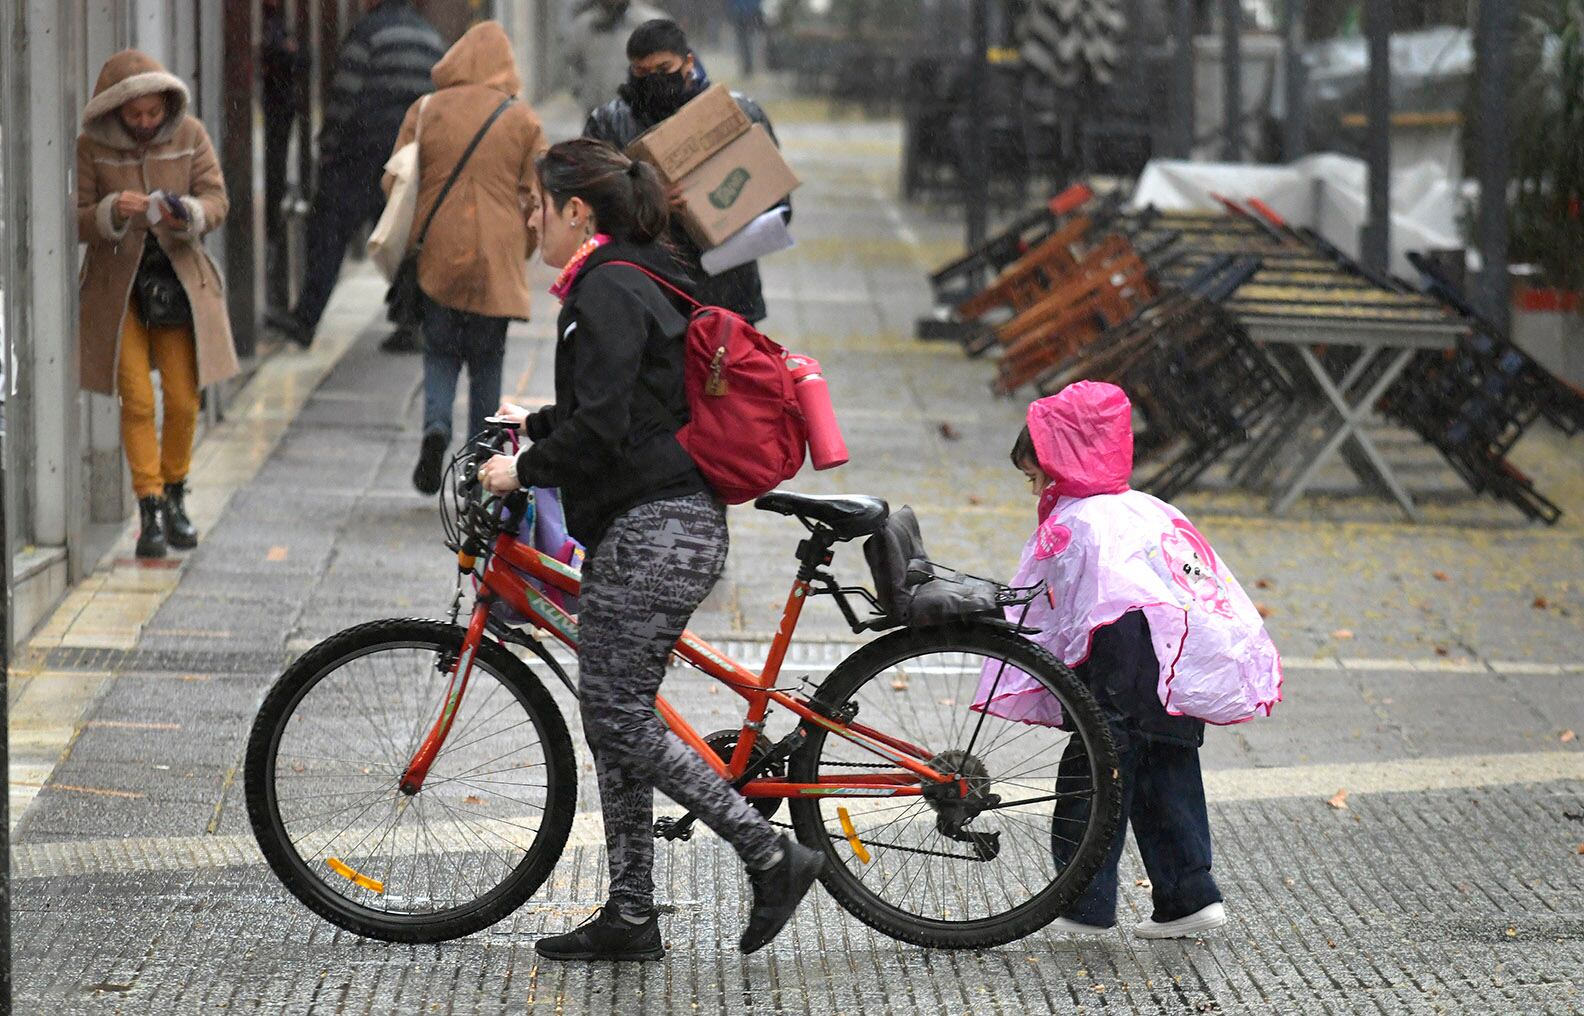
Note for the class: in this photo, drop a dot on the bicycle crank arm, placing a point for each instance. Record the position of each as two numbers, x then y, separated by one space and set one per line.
681 828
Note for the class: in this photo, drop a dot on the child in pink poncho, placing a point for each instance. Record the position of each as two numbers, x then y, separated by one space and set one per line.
1154 623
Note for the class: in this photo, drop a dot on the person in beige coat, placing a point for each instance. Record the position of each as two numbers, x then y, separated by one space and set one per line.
152 299
473 269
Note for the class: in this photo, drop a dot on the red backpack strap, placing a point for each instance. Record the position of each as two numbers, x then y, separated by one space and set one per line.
657 279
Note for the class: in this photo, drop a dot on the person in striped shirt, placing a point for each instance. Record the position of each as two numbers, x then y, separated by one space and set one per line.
382 69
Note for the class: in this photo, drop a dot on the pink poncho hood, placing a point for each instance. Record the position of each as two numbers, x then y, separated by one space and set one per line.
1104 549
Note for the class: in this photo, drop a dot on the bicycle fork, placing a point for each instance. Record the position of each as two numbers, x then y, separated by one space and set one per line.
417 771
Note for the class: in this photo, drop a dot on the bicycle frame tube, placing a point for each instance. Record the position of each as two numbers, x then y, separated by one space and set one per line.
504 578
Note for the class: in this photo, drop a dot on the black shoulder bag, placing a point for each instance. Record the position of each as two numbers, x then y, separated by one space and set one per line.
161 300
403 301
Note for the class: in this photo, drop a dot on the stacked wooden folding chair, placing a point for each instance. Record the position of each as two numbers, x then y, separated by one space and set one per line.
1103 290
962 279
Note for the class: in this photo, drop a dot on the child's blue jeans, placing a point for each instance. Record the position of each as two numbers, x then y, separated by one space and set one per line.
1162 788
1163 799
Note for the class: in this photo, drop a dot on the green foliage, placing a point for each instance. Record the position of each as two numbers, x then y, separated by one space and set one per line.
1548 145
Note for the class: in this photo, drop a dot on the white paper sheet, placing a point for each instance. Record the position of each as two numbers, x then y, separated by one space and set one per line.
760 238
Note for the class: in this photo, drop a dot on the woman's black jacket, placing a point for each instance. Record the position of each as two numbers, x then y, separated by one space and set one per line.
609 440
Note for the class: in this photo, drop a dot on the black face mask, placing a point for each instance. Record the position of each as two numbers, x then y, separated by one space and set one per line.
655 96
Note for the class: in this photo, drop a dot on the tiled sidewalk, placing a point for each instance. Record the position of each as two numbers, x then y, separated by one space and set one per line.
1451 883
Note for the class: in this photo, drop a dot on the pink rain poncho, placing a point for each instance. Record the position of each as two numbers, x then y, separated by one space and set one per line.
1103 549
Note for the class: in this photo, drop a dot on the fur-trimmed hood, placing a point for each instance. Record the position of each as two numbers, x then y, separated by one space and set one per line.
132 74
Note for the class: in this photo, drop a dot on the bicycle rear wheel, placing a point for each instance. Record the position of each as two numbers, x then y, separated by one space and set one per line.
1044 801
330 745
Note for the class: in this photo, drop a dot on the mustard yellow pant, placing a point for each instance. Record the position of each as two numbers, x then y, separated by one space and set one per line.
157 458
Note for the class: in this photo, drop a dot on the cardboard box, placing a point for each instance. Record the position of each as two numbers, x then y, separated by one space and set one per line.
682 141
733 187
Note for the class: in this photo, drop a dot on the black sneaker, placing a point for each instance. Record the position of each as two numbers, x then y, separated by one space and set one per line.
427 473
403 340
606 936
777 891
290 325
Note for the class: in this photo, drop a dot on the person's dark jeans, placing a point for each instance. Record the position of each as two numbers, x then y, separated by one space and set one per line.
747 31
348 195
453 338
1163 799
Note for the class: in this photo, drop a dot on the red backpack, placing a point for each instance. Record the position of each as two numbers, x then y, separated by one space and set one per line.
746 432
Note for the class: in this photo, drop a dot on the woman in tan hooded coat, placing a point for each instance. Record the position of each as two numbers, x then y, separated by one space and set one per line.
137 139
473 268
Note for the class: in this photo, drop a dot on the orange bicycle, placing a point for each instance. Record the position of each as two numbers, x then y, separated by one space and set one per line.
414 781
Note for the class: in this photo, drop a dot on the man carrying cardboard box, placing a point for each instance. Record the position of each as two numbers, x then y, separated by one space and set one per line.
663 76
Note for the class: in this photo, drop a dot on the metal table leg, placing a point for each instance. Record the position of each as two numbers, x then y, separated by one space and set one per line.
1349 418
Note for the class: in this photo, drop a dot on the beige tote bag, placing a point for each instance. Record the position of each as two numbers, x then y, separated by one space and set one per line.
388 243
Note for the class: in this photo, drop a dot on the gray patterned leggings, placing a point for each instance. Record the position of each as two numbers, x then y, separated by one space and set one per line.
649 573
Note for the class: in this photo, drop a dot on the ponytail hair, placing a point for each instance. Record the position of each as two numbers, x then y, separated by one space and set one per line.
627 196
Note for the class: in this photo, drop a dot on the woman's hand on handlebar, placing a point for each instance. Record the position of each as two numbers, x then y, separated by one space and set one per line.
498 474
513 412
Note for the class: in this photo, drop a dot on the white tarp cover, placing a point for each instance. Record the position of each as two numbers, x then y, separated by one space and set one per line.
1325 192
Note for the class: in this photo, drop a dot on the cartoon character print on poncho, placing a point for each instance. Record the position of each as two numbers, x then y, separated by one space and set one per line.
1192 566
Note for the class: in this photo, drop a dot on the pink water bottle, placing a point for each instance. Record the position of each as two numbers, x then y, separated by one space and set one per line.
826 446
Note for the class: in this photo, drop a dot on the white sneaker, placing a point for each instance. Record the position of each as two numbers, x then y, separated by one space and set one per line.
1062 926
1197 923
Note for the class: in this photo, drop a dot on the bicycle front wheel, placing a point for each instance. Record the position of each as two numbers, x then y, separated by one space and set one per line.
944 869
327 753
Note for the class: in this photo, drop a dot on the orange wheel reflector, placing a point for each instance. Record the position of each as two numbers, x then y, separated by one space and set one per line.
859 850
466 561
346 871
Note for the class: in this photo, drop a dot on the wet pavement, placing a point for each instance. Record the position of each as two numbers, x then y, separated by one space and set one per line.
1433 671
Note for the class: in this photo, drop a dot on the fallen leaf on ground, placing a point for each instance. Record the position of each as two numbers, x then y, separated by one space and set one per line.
1342 633
1512 932
975 499
948 701
1581 848
1442 576
1566 736
1442 651
1143 883
472 799
1263 583
1331 943
1540 603
1264 611
899 683
949 432
1338 800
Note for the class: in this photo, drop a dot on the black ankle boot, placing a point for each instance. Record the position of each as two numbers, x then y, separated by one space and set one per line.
179 530
606 936
151 538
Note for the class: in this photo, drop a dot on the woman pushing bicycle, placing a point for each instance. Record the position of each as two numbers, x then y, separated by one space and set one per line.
656 536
